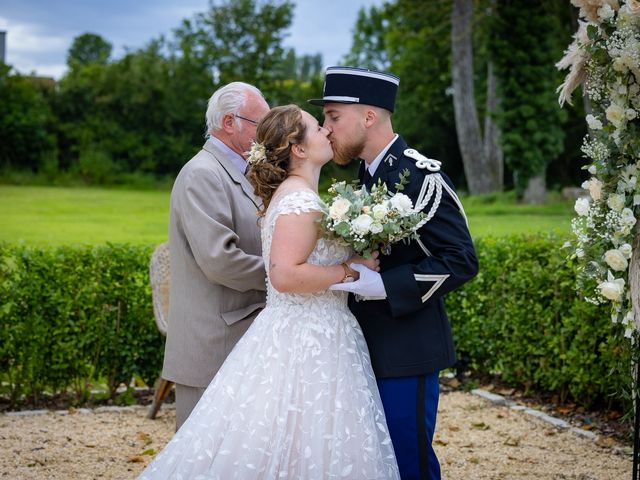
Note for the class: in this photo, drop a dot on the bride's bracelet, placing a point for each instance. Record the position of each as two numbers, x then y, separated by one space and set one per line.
348 273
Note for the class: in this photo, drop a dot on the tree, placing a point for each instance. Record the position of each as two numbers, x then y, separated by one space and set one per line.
25 119
481 162
145 111
88 48
242 39
368 47
412 36
527 41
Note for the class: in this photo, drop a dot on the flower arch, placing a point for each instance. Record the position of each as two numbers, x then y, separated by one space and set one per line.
605 58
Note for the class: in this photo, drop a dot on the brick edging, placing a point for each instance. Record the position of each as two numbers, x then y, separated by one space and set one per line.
556 422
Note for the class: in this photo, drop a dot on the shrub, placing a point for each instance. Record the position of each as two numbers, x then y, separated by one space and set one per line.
522 318
72 315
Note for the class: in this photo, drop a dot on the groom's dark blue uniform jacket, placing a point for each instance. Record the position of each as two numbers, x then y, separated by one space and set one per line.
408 333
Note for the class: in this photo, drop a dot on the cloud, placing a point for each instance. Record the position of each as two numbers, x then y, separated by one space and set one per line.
30 49
29 38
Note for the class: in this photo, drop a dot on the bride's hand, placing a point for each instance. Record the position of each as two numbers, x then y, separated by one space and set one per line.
372 262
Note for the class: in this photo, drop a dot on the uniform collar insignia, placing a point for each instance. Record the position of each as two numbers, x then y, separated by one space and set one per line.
390 160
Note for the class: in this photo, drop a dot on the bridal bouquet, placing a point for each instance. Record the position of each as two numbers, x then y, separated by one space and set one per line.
370 221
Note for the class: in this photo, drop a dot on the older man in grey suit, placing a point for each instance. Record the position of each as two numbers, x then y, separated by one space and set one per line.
217 271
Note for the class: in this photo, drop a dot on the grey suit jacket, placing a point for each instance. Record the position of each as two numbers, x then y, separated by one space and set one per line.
217 271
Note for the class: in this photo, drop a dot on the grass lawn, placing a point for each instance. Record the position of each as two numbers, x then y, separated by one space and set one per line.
499 215
56 216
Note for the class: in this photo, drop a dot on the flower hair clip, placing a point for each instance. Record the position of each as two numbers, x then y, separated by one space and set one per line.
257 153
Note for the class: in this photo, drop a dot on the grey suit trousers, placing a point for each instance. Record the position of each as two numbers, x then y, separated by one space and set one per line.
186 399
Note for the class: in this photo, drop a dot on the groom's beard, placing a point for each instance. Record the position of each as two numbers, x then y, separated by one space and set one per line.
343 153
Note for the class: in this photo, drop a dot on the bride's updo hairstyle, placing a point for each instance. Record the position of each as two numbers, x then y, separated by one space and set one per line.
270 157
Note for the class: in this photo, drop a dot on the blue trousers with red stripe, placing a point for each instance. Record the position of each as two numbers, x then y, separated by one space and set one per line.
411 405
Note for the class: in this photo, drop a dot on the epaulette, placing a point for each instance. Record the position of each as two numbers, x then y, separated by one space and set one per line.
423 162
432 186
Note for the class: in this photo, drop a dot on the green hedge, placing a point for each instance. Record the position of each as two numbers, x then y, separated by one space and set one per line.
74 315
71 316
522 318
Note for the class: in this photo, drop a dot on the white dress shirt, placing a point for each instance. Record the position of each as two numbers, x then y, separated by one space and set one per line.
237 159
373 166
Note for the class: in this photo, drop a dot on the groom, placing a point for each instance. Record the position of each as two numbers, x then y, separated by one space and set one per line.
403 317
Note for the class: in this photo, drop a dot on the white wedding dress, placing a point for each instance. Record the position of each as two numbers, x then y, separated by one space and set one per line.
296 398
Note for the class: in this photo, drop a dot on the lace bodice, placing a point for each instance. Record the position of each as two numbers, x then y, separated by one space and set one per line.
326 252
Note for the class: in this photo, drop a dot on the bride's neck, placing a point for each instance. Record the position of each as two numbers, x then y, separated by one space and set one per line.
309 176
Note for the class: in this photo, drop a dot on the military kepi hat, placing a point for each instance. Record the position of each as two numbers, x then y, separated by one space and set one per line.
358 85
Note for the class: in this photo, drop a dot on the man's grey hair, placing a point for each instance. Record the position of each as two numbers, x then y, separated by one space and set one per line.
228 99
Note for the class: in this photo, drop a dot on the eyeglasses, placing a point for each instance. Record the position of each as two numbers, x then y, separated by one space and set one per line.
252 122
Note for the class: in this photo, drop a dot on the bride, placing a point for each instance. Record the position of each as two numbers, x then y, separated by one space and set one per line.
297 397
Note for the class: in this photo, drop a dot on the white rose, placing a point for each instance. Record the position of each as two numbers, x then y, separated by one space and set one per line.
362 224
376 227
593 122
628 57
612 289
401 202
615 114
605 12
380 211
618 65
339 208
626 250
633 6
628 218
595 188
632 182
615 259
616 202
630 113
629 318
582 207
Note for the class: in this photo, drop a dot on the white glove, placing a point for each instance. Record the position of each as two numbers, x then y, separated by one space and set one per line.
369 286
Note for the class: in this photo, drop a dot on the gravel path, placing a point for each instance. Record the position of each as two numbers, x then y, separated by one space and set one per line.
475 440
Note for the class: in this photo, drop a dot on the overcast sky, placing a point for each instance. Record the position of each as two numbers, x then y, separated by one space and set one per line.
39 32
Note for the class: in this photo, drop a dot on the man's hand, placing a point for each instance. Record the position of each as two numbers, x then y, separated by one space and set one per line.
369 285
